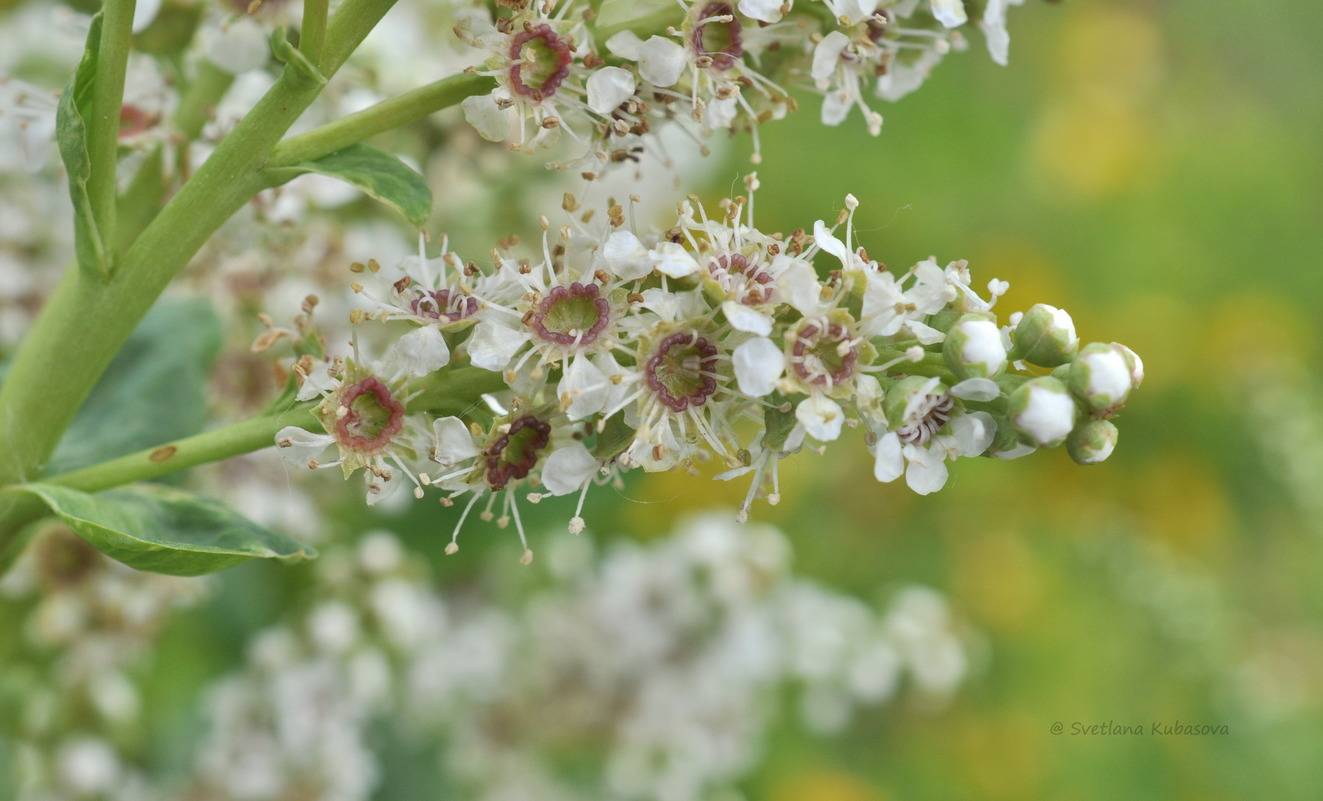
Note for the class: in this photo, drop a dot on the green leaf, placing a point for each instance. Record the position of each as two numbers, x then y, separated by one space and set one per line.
377 173
71 137
165 530
153 392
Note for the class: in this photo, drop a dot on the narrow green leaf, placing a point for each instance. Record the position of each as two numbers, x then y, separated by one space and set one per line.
377 173
71 137
165 530
153 392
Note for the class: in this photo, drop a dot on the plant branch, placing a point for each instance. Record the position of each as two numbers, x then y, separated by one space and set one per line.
85 322
107 100
236 439
384 116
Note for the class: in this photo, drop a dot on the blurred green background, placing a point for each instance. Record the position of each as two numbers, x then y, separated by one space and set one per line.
1156 168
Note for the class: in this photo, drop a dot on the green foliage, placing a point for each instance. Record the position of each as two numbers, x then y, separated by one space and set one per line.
377 173
71 136
165 364
165 530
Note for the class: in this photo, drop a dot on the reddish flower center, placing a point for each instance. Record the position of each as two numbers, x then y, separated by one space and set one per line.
541 60
571 315
513 455
444 304
751 284
368 417
718 39
682 371
822 354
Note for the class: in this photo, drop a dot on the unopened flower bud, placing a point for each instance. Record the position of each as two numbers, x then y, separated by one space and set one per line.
973 348
1135 364
1092 442
1043 412
1046 336
1100 376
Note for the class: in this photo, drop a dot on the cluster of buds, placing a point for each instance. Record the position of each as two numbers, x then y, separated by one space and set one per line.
721 64
615 348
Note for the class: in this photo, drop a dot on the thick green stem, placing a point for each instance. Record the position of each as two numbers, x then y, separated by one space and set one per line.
85 322
107 100
384 116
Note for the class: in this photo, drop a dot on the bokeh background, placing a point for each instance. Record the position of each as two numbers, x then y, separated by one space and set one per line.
1156 168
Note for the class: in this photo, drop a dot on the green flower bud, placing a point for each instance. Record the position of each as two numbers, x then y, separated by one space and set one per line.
1100 376
974 349
1092 442
1045 336
1042 412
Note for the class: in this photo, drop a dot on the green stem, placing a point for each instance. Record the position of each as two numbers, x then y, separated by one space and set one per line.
107 100
312 34
384 116
85 322
246 436
453 390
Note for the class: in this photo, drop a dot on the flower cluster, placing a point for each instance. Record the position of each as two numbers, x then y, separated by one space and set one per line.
720 64
616 348
667 659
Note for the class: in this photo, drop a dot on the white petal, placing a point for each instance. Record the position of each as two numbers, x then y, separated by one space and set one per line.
452 442
976 389
761 10
418 353
489 120
492 345
719 115
926 472
972 433
318 382
608 87
583 390
759 364
626 256
827 54
798 282
661 61
297 446
836 107
888 462
566 469
672 259
747 318
822 417
625 44
950 13
144 13
830 243
925 333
